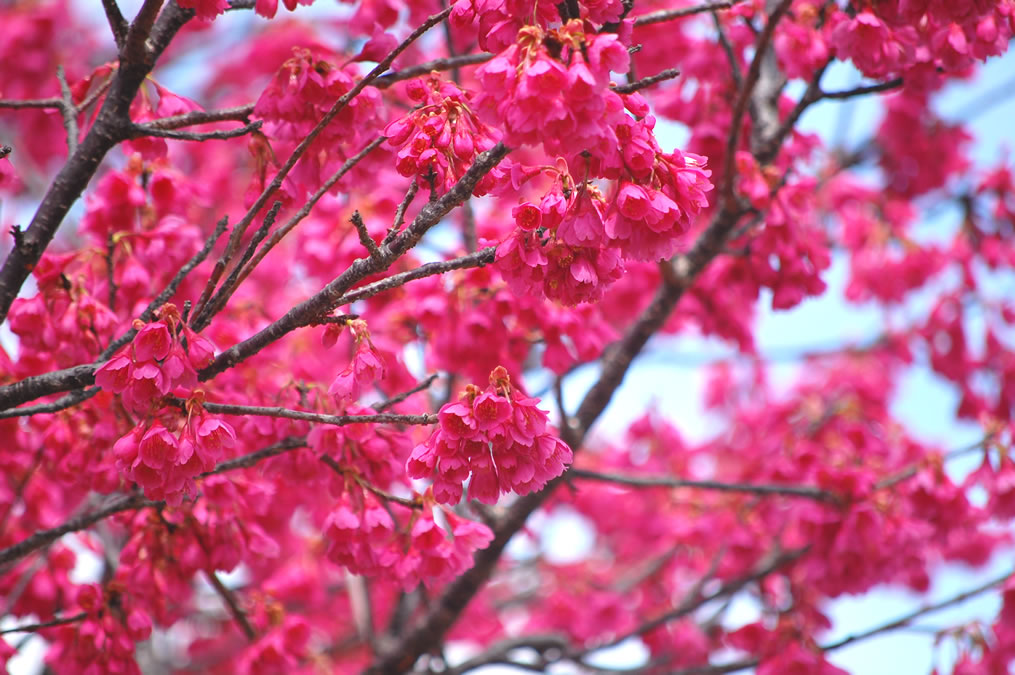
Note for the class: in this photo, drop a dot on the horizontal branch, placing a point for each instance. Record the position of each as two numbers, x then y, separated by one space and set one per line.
36 627
671 14
480 258
804 491
319 418
54 103
236 114
140 130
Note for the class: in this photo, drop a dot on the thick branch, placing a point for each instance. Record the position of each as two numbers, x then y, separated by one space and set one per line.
111 126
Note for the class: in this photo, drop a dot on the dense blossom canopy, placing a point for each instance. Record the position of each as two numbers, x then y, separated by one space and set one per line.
301 306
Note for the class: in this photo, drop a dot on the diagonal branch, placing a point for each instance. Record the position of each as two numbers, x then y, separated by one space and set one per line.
332 295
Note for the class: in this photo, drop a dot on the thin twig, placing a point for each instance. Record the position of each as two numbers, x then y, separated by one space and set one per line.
671 14
252 459
450 63
359 480
381 406
864 90
396 226
239 616
203 315
364 235
319 418
304 211
68 111
632 87
140 130
804 491
36 627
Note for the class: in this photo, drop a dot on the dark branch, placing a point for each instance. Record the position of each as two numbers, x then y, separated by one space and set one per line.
804 491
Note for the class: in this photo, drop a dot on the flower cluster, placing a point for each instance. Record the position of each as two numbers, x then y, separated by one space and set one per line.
552 87
303 90
105 640
165 463
439 139
498 437
571 245
161 359
498 22
367 540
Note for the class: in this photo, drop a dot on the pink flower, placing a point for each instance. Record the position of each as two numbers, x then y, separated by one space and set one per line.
497 436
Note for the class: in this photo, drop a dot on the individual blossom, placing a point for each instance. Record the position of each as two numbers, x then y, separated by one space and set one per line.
365 369
497 436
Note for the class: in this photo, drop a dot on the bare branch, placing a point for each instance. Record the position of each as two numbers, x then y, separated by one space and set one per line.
117 24
667 74
68 111
36 627
450 63
364 235
304 211
237 114
249 460
69 401
140 130
135 48
864 90
331 296
204 312
319 418
359 480
395 400
671 14
239 616
44 537
15 104
744 97
804 491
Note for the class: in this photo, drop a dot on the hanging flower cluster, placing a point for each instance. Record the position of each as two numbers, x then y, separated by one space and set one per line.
441 137
498 437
